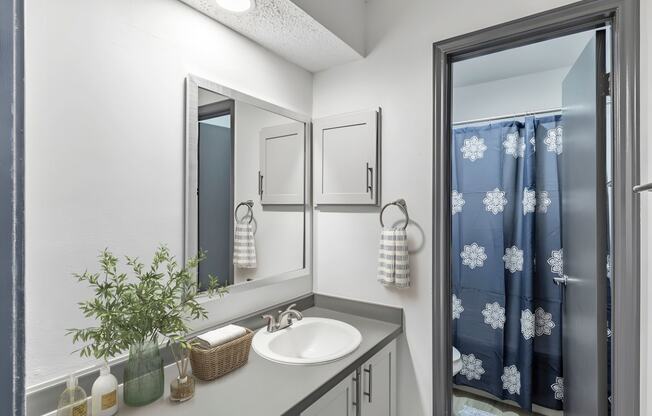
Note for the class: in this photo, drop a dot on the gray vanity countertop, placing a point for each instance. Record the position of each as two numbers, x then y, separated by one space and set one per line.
264 388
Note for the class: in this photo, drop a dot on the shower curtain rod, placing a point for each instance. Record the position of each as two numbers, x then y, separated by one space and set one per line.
516 115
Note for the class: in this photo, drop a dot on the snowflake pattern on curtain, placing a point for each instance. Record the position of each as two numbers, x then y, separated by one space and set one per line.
494 201
527 324
457 202
558 388
513 259
471 367
511 380
457 307
473 256
543 201
494 315
473 148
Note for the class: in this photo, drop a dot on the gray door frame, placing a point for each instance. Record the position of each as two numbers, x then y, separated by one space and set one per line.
624 18
12 391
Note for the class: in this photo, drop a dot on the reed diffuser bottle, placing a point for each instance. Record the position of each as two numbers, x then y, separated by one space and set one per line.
183 387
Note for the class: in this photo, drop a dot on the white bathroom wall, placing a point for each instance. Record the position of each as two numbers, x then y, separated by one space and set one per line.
531 92
397 75
105 146
273 223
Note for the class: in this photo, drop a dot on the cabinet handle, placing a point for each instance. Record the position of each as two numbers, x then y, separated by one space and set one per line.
370 179
260 184
369 377
355 389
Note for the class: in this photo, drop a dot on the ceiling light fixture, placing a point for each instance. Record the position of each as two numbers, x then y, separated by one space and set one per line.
236 6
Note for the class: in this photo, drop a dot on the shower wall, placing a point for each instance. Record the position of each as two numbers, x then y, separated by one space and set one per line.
505 96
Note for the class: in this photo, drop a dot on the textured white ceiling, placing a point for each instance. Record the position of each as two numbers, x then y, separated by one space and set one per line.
285 29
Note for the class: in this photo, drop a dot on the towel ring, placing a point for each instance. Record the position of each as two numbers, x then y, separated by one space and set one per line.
249 204
400 203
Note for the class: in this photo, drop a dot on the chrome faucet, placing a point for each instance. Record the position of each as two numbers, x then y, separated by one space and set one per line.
285 319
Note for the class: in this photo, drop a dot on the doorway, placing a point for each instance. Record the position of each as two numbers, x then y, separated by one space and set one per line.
516 327
215 187
524 320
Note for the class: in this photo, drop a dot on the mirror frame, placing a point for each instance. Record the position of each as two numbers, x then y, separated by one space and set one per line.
191 136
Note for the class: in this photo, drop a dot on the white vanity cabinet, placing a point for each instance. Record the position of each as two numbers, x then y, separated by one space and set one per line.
378 385
346 159
374 395
338 401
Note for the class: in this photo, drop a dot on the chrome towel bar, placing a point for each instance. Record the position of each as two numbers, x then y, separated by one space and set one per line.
643 188
400 203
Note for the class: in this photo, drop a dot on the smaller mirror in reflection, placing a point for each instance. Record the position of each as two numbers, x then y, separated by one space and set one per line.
247 165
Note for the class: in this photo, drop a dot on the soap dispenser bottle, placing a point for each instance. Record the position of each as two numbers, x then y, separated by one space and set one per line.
104 394
73 400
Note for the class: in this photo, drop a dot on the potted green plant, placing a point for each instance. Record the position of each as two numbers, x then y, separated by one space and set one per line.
135 313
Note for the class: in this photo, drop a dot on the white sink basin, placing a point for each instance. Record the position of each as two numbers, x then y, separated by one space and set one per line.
308 341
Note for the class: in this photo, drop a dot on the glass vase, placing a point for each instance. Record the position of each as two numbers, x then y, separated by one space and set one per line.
143 374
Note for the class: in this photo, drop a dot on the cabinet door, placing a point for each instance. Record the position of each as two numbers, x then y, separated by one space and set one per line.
378 396
281 178
338 401
346 159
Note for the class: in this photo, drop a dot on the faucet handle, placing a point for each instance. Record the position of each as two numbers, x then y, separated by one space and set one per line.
271 322
296 313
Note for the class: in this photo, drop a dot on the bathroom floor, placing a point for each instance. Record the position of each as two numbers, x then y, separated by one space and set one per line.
468 404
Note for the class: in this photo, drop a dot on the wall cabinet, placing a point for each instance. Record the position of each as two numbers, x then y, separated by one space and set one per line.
281 176
370 391
346 159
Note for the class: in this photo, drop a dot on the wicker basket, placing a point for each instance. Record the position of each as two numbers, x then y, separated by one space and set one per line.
209 364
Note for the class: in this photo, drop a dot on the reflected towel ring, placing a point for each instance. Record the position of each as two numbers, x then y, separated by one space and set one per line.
400 203
249 204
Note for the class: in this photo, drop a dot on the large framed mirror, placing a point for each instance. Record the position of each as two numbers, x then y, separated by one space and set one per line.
247 178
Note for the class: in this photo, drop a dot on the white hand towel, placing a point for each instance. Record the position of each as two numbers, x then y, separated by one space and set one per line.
244 246
221 336
393 258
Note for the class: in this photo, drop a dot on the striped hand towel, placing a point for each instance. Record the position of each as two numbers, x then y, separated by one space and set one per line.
244 246
393 258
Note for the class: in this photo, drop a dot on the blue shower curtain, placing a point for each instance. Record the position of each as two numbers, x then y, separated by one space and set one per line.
506 250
